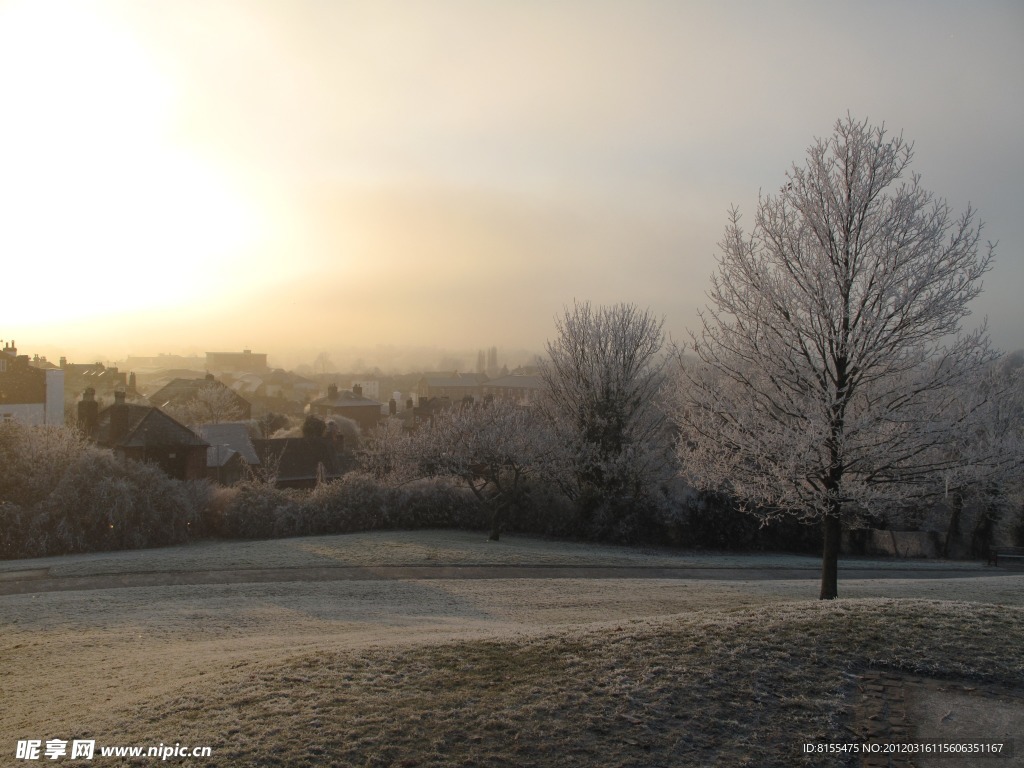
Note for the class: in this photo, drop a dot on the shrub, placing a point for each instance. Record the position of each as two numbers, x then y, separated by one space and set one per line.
714 521
101 503
59 494
436 502
355 502
256 511
542 509
33 459
14 524
360 502
97 503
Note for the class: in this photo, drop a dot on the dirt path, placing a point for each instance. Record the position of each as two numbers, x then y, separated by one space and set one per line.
40 580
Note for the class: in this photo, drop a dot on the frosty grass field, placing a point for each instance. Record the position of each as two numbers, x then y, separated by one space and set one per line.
485 672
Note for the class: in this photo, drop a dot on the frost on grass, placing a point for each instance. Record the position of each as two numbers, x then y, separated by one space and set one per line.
743 688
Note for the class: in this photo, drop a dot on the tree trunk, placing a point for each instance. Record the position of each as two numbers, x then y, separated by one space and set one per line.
495 522
833 528
953 530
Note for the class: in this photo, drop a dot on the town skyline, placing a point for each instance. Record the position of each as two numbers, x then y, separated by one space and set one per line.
303 178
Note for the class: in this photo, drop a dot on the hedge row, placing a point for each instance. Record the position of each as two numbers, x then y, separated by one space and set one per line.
60 495
356 502
98 504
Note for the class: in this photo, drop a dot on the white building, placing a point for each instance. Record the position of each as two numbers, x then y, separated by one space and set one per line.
33 396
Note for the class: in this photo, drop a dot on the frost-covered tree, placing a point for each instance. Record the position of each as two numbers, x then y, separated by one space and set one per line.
988 451
387 453
493 448
603 375
213 403
829 361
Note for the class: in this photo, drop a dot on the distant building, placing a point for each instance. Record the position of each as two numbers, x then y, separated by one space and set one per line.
231 454
370 388
179 392
103 380
299 462
164 363
145 433
457 386
277 383
245 361
351 404
30 395
523 389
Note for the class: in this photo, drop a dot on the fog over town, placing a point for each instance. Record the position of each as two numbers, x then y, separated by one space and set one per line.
398 187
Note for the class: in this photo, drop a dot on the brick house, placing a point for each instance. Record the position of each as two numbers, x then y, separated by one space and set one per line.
350 404
145 433
520 388
456 387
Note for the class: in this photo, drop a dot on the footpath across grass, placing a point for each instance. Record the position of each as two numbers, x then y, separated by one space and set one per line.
429 547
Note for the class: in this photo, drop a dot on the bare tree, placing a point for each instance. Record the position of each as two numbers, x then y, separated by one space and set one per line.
213 403
603 376
388 454
493 448
825 369
323 364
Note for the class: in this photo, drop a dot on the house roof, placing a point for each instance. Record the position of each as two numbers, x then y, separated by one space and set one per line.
164 376
180 391
147 426
247 382
517 381
456 380
282 377
219 456
298 457
347 399
232 434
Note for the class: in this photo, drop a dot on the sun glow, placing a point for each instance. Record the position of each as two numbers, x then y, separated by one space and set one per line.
102 210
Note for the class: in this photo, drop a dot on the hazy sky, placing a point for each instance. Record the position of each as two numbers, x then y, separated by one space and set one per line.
316 174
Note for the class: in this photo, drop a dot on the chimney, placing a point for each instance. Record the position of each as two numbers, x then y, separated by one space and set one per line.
118 419
88 410
357 390
332 392
392 406
63 362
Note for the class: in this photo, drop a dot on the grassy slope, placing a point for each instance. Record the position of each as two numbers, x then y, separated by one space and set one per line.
744 688
486 673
